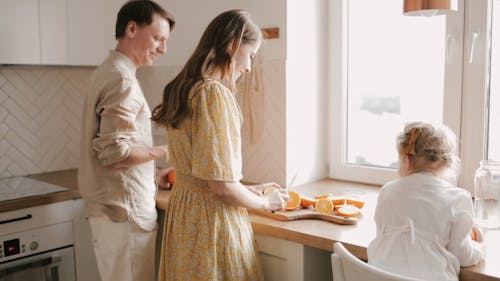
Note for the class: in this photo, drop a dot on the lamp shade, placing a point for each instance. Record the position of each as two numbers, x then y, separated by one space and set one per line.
429 7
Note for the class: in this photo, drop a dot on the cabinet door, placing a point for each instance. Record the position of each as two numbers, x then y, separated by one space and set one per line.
281 259
91 26
20 38
53 32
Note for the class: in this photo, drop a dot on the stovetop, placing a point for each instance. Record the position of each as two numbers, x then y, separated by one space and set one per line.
21 187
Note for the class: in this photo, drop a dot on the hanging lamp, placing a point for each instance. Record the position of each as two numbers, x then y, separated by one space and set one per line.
429 7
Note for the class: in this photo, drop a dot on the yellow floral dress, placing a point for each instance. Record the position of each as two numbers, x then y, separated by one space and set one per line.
205 238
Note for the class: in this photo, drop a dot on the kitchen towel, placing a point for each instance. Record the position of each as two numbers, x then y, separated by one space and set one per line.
250 95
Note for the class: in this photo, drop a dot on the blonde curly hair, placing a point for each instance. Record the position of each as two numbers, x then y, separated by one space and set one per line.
429 147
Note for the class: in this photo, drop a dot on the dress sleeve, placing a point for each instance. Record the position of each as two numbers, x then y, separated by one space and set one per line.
117 111
216 140
468 251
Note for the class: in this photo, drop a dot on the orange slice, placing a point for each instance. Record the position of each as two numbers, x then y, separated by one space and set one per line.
336 207
338 201
306 201
293 202
348 211
356 202
324 206
326 195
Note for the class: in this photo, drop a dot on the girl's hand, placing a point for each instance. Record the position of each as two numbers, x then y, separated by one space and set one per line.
476 234
276 199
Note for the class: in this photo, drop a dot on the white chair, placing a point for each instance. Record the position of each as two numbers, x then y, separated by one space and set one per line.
347 267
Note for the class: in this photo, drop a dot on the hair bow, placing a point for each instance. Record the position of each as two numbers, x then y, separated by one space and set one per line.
415 133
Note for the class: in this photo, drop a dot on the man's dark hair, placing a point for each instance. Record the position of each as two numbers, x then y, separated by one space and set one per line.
140 11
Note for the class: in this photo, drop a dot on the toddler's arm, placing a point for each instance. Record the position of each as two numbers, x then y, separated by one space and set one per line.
461 244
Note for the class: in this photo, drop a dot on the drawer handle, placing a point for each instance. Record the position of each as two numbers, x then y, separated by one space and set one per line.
27 217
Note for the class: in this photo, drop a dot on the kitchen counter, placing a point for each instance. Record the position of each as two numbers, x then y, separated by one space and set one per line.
313 233
322 234
65 178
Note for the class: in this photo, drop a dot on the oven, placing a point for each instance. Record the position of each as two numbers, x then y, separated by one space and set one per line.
40 254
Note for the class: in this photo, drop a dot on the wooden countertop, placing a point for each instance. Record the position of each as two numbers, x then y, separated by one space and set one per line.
311 232
322 234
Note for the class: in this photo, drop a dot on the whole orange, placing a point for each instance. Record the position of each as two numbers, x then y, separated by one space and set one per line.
171 177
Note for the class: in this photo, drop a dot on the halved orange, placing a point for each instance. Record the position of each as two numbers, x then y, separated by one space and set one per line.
324 206
348 211
306 201
293 202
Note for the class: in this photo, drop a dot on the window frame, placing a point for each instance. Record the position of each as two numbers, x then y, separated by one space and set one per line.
462 113
475 80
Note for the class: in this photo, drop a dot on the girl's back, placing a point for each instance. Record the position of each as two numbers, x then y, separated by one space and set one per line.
423 222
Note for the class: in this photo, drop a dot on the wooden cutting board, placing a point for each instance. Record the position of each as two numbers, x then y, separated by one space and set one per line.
306 214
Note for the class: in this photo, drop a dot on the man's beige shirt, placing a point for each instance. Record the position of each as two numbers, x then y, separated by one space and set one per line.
116 117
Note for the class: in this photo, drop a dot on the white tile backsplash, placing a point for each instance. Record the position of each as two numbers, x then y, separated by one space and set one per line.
40 119
40 112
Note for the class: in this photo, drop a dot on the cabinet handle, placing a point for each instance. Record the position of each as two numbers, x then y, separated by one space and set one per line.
27 217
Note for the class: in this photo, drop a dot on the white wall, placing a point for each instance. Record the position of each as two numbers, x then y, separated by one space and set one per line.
190 24
306 96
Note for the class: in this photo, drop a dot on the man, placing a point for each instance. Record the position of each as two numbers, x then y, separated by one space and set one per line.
117 174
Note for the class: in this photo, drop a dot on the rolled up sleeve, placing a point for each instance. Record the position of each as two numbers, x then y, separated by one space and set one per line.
117 111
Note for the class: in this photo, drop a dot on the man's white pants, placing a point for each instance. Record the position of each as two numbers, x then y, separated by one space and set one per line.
123 250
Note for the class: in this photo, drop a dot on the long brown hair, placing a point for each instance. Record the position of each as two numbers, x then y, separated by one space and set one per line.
215 51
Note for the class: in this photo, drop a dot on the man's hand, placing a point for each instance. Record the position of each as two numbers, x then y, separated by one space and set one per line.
162 177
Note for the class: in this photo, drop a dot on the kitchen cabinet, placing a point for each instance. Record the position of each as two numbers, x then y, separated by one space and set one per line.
286 260
19 32
53 32
33 32
91 26
57 32
281 259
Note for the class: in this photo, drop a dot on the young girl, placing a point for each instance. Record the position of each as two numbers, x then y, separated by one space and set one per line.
208 235
424 223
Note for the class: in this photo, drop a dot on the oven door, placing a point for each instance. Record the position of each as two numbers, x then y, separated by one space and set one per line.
57 265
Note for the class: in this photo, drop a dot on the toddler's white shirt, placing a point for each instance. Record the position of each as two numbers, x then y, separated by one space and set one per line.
423 226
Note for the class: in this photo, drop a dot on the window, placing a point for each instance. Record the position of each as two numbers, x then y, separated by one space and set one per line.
394 69
493 118
395 80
